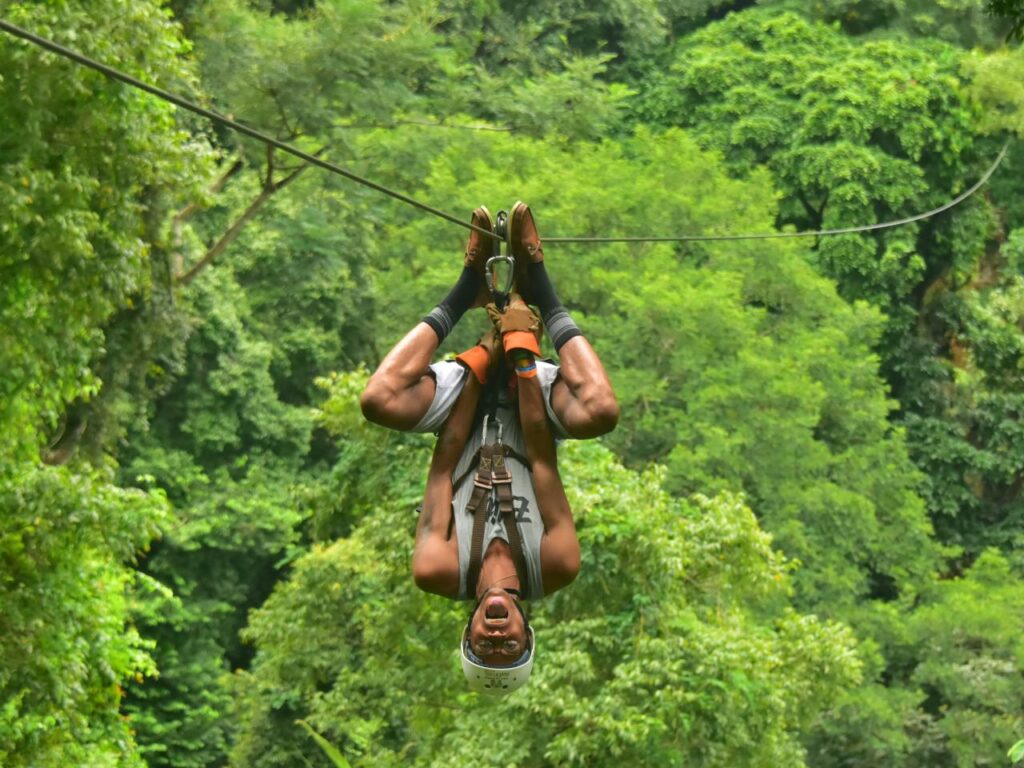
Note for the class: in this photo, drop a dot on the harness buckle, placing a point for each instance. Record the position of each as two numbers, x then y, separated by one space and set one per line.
500 474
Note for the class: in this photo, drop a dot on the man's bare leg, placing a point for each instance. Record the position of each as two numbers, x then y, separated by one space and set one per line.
560 549
582 398
400 391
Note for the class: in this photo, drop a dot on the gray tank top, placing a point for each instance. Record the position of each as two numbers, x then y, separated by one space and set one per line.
531 525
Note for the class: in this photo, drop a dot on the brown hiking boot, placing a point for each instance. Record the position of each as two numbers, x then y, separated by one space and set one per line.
479 245
525 243
478 250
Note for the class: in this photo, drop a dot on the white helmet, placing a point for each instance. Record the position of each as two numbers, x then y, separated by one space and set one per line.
496 681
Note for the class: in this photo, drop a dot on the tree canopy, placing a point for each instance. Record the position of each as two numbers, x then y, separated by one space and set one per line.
801 546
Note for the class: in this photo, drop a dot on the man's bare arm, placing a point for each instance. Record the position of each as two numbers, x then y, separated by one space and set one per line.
582 397
400 391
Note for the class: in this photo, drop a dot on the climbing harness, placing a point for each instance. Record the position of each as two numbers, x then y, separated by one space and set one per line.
493 480
227 122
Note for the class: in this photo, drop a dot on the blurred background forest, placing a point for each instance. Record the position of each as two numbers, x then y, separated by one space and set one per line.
804 543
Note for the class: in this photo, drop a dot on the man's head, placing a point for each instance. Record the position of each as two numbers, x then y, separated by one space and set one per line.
498 644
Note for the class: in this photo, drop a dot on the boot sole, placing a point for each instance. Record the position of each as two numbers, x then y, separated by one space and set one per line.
521 282
484 253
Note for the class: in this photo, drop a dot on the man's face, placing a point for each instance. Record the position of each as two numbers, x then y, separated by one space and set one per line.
497 630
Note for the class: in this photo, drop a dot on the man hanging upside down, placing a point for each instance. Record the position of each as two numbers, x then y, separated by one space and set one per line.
495 524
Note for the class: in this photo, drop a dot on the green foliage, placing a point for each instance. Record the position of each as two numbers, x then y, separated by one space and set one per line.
1012 11
742 376
517 62
228 452
304 278
1016 752
853 132
674 645
88 170
71 197
65 643
870 726
329 749
997 83
178 714
308 75
967 441
370 463
856 131
970 653
738 372
967 23
953 694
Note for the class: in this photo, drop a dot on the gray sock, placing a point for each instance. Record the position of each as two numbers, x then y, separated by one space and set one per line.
560 327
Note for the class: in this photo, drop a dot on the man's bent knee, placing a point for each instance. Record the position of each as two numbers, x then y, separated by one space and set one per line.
601 417
430 575
424 574
605 414
374 403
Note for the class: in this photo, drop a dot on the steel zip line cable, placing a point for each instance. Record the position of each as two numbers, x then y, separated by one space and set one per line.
227 122
817 233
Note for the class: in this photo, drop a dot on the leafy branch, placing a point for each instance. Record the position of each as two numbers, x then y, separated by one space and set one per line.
269 189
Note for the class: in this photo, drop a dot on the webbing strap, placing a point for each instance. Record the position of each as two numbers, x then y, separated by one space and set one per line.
477 507
502 479
493 472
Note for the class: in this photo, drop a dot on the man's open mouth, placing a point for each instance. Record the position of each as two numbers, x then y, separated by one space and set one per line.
496 609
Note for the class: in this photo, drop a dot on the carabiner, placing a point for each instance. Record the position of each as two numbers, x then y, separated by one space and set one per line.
502 231
483 432
492 282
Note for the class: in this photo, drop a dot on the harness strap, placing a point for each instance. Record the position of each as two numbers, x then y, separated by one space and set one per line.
502 479
477 507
